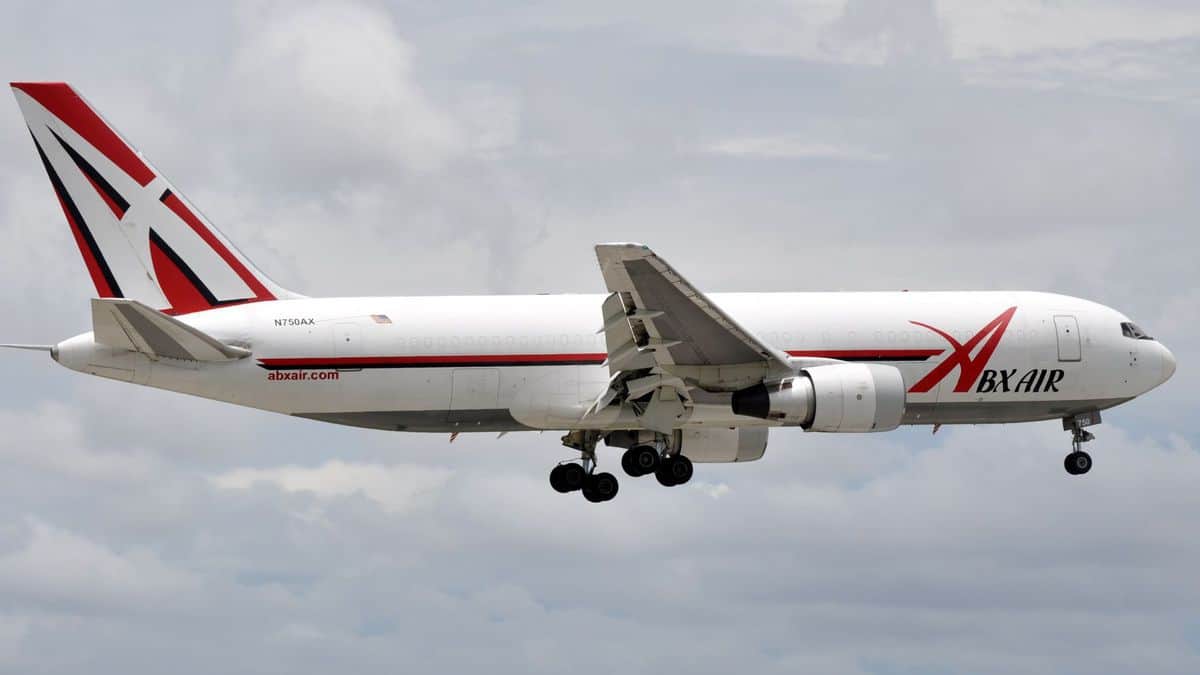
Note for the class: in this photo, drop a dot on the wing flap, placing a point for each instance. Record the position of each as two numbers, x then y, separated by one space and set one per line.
666 339
683 325
128 324
675 311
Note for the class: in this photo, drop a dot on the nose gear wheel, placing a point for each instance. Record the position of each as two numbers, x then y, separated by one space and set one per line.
1078 462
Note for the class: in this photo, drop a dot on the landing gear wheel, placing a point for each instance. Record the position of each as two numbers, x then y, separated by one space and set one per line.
1078 463
600 487
567 477
639 460
682 471
674 470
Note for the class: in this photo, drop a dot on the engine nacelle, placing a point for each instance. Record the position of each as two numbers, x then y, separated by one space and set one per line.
841 397
789 401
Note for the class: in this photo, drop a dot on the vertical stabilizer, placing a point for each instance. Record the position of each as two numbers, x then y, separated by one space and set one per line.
140 239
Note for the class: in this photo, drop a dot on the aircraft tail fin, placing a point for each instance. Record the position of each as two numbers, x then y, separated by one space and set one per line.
128 324
140 239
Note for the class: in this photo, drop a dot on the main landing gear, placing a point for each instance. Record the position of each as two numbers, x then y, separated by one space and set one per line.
647 453
670 469
1079 462
582 476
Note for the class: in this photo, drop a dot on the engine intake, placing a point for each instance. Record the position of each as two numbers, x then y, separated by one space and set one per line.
841 397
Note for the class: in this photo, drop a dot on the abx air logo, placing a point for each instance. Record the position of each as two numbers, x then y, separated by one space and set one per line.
972 370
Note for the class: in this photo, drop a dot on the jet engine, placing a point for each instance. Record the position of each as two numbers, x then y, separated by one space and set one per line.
840 397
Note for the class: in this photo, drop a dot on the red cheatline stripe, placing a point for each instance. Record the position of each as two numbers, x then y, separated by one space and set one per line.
66 105
433 360
879 354
467 360
176 205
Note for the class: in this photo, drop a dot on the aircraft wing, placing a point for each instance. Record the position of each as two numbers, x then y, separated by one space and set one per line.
128 324
662 333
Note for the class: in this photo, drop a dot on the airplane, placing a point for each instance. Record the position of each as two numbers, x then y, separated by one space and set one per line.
654 367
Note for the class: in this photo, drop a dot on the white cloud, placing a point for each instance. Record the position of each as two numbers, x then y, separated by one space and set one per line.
1151 71
790 147
51 437
55 567
397 488
979 29
336 80
859 32
713 490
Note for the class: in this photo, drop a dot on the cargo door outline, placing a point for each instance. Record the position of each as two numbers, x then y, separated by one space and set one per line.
473 390
1069 344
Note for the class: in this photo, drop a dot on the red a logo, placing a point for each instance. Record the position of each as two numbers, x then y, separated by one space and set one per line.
969 368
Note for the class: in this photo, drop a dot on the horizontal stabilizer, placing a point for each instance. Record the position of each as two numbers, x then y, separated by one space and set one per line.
128 324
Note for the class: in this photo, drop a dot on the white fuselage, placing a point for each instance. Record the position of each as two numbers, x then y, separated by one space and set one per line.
494 363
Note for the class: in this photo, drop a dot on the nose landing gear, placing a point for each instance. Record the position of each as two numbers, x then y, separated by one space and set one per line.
1079 462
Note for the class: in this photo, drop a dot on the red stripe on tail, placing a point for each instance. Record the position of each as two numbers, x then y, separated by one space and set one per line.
183 295
66 105
103 289
116 209
180 209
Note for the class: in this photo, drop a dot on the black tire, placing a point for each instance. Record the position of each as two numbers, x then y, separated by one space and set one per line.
681 470
605 486
1077 463
664 472
589 492
1083 462
556 479
572 476
627 464
644 460
600 487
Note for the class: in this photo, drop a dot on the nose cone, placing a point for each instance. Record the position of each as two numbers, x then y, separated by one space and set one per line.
1168 363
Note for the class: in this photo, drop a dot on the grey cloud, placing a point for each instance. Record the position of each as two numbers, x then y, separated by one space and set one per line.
512 139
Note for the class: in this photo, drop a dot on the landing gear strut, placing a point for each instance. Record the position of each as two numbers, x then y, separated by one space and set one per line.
1079 462
582 476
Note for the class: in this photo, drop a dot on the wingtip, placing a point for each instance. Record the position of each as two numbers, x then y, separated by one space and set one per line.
622 250
622 244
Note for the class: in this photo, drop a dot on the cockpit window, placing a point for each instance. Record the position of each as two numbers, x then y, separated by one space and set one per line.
1131 330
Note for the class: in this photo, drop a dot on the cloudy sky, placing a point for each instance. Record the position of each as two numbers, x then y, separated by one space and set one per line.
474 147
